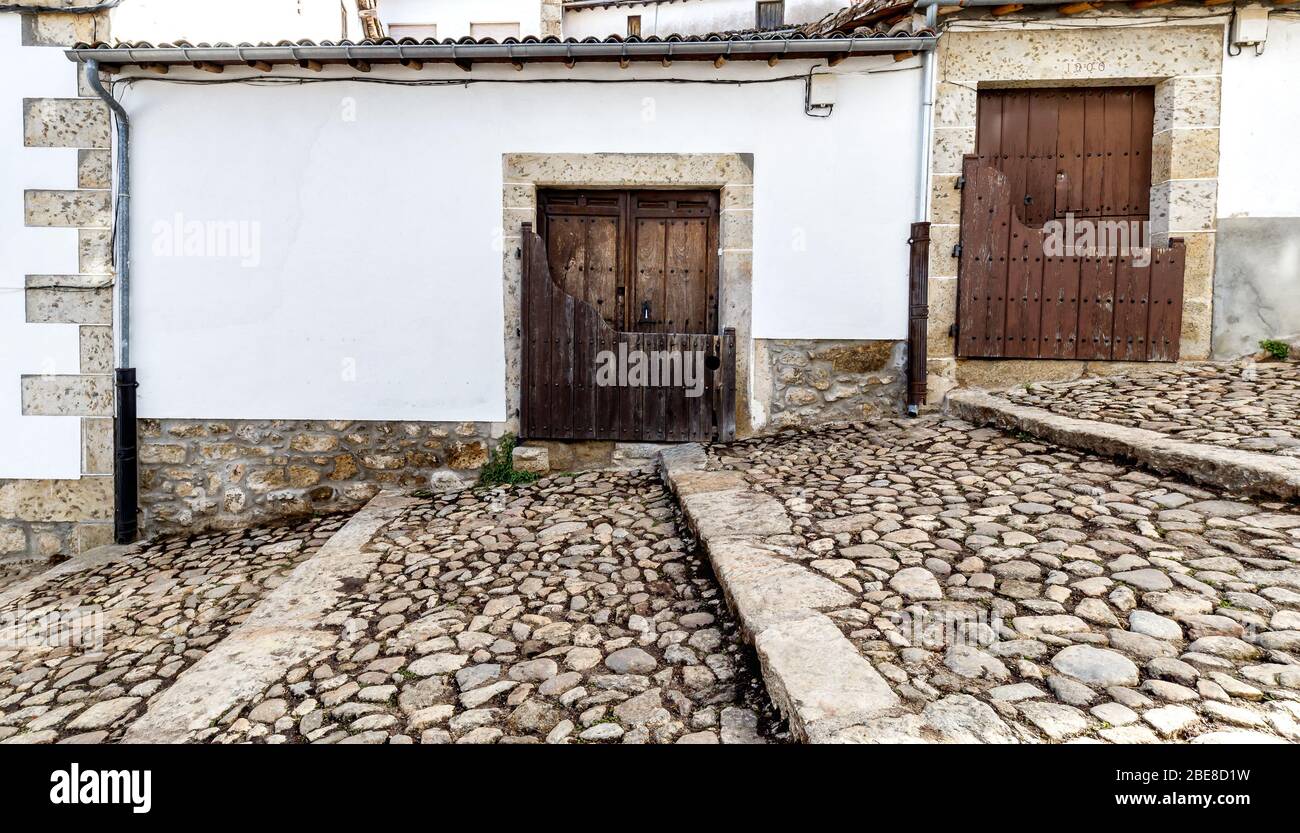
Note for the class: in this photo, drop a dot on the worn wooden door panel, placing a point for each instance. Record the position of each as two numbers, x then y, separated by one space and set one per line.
1061 152
1096 307
565 338
1166 322
1024 291
1132 311
1059 333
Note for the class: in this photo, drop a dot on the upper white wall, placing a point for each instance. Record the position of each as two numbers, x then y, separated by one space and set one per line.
33 446
376 289
687 17
1259 122
453 17
230 21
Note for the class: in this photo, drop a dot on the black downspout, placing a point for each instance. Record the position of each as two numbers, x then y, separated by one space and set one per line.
126 465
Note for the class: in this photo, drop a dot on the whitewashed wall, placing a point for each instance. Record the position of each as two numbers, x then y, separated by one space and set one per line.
1259 123
376 288
453 17
231 21
33 446
688 17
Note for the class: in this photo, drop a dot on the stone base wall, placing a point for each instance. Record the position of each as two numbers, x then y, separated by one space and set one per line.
802 383
197 475
41 519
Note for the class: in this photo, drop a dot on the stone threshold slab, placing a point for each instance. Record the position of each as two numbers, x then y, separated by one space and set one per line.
813 673
1244 472
282 631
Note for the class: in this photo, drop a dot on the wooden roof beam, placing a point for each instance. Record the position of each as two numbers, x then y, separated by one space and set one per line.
1076 8
1149 4
215 69
1009 8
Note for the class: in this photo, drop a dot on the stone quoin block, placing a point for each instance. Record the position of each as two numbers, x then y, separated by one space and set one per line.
69 299
68 209
90 395
65 123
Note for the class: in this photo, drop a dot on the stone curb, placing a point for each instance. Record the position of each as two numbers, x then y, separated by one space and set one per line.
281 631
813 673
1244 472
87 560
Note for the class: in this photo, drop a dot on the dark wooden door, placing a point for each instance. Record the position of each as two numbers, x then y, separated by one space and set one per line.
1083 151
1081 157
645 260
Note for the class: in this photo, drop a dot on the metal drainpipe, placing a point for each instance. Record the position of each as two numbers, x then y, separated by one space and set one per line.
126 500
923 166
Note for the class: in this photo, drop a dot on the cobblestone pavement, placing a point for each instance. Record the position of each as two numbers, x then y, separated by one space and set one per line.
163 608
1011 591
1254 408
569 611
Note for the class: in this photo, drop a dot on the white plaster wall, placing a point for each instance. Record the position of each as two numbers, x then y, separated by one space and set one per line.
33 446
453 17
1259 122
231 21
377 291
689 17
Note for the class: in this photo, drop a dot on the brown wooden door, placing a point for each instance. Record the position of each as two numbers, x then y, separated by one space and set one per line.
1084 151
1081 157
646 260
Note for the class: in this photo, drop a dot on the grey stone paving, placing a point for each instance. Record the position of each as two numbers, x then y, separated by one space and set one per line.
1252 407
163 608
1014 592
570 611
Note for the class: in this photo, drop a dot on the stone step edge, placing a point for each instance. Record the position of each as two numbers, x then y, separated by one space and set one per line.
1245 472
812 672
281 631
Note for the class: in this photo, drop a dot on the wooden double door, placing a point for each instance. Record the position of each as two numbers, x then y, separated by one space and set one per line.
647 261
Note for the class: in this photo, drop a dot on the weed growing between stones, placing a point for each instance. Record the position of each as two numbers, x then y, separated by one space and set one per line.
500 470
1279 350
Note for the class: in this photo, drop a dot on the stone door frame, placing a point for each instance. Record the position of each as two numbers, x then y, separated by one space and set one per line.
731 174
1182 62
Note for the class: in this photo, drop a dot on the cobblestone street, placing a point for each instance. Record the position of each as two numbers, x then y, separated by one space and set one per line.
164 606
1010 591
1253 407
570 611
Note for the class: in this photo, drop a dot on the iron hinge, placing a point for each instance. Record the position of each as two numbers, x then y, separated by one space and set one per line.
952 330
961 182
956 250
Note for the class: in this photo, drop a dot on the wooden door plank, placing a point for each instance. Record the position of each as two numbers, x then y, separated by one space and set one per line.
1118 138
1024 291
601 279
1059 333
995 289
687 303
1144 109
988 130
1070 150
1166 322
1041 148
1094 153
1015 146
649 273
1096 307
1132 310
976 256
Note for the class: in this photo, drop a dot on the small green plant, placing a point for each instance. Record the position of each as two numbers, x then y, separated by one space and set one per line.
1279 350
500 470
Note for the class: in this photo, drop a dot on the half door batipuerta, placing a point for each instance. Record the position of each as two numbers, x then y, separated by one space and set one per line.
1067 155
